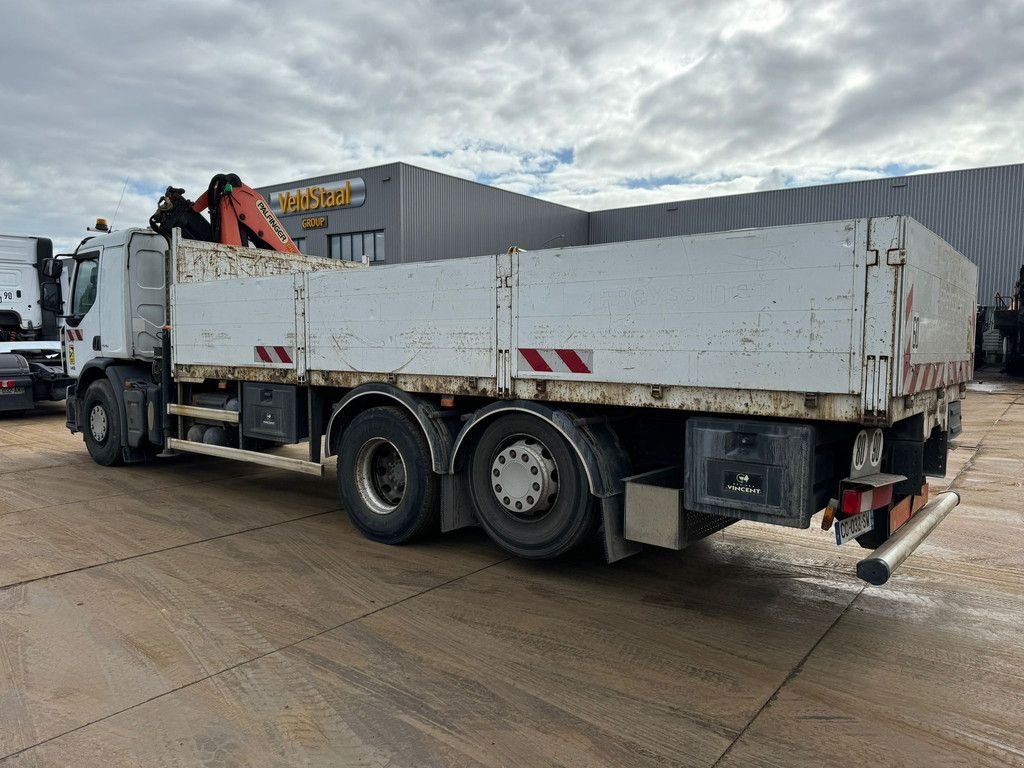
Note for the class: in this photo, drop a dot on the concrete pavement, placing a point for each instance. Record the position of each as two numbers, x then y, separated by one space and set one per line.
198 612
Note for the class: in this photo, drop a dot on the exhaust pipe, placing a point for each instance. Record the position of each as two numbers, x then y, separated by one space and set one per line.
887 558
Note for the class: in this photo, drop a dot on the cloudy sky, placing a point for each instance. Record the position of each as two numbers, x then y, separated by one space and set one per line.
595 105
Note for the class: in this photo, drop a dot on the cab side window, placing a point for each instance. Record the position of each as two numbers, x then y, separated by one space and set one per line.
84 294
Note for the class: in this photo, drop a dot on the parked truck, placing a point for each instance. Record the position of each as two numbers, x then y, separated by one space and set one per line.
1008 319
30 348
648 392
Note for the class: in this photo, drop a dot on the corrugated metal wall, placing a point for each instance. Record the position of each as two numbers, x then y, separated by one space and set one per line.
979 211
444 217
429 215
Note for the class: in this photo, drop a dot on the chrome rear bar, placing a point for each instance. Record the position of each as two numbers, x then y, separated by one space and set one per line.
887 558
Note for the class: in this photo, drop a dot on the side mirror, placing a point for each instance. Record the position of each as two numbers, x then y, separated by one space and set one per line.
51 299
53 268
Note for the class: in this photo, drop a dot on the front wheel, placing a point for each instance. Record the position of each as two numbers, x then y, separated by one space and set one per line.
102 426
385 477
529 489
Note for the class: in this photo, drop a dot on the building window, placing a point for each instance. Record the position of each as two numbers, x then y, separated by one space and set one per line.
300 243
353 246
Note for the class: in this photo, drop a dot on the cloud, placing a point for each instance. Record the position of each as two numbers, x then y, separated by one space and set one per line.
594 105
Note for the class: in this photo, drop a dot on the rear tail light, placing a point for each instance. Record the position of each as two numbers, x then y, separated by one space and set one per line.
6 383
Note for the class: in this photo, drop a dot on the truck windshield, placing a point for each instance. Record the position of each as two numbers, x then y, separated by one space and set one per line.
84 294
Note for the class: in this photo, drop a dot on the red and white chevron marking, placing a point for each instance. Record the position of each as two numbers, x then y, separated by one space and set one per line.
923 377
556 360
74 334
273 354
906 332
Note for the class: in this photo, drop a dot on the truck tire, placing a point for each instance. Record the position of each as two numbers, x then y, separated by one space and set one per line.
102 424
385 477
529 490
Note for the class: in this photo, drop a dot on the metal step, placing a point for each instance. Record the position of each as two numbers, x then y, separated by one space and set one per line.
252 457
195 412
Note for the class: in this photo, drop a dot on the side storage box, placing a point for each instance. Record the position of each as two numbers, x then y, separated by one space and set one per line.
655 513
751 470
275 412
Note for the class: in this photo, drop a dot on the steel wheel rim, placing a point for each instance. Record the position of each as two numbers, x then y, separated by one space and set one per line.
380 475
524 478
98 423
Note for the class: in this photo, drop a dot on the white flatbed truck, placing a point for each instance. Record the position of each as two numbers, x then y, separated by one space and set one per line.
651 391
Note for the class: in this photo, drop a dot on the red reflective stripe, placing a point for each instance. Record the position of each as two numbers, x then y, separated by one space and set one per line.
910 304
880 497
535 360
863 501
572 361
282 353
78 333
264 355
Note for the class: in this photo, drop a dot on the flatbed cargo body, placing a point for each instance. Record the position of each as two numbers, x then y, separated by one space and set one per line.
814 321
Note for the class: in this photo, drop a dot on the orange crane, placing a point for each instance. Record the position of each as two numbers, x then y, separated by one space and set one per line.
238 216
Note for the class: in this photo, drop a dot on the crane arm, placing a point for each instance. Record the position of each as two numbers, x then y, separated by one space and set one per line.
238 215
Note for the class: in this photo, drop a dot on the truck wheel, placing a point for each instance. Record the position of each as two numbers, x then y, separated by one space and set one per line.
385 477
528 489
102 427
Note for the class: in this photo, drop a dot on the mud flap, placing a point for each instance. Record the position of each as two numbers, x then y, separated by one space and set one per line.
456 509
616 546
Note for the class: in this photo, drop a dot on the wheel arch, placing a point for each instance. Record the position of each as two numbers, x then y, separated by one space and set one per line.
603 461
117 372
438 437
93 370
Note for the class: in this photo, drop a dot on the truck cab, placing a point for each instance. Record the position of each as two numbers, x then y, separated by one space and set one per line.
30 303
22 317
116 307
113 326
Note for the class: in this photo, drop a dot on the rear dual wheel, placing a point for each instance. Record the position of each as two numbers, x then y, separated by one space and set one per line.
528 488
386 478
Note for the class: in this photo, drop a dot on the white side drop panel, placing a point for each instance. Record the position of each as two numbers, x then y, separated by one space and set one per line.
428 318
767 309
937 317
224 322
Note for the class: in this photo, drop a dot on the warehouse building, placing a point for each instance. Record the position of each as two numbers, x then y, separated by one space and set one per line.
979 211
398 212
